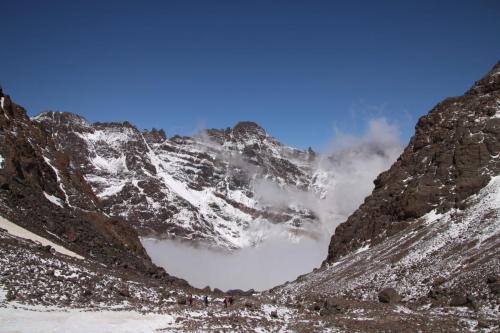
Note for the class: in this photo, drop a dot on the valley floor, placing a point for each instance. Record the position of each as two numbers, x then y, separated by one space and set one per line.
255 315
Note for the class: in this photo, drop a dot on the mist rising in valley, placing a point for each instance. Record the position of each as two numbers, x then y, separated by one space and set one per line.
279 254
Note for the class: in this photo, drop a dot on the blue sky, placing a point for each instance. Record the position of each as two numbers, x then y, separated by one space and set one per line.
298 68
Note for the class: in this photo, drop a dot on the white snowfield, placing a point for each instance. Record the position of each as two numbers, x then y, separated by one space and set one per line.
39 320
55 200
18 231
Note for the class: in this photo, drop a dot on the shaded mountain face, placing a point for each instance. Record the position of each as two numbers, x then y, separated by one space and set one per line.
453 154
41 191
209 187
428 237
230 188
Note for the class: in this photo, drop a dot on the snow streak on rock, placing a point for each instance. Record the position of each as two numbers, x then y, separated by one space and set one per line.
230 188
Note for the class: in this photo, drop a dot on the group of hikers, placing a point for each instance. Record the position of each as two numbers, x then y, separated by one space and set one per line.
228 300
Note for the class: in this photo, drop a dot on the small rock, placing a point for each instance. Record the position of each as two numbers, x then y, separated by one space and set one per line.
332 305
124 292
324 312
274 314
481 323
492 279
389 295
10 296
249 305
49 249
438 281
315 307
182 301
459 300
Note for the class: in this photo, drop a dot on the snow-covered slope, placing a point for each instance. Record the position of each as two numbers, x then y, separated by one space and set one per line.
18 231
439 256
430 230
213 186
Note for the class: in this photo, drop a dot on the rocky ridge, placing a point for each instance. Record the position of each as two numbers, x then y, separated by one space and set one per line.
40 191
197 188
453 154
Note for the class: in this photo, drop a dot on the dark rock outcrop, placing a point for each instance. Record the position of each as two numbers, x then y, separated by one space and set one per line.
389 295
452 155
41 191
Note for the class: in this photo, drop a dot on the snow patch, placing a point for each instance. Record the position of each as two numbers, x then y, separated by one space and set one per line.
362 249
18 231
1 161
59 180
497 113
55 200
42 319
431 217
110 165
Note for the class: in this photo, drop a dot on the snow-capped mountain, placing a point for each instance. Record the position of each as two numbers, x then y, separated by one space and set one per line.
41 192
204 187
420 254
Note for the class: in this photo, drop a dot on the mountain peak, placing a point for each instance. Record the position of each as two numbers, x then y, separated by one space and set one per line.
248 126
246 129
489 83
66 118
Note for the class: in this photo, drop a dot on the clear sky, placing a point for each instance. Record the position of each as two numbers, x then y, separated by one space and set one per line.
298 68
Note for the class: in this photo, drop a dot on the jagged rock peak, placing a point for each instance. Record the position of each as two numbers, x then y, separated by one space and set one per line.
248 127
155 135
243 131
489 83
61 118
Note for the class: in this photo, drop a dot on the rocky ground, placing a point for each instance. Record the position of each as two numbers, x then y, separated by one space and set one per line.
37 280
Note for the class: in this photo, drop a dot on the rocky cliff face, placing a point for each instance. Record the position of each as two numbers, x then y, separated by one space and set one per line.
199 188
453 154
428 237
42 191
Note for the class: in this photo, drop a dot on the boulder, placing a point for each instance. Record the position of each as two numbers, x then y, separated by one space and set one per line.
438 281
494 284
315 307
124 292
389 295
249 305
459 300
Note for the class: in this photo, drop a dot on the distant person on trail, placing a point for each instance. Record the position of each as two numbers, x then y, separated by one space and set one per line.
205 300
190 300
225 302
231 300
